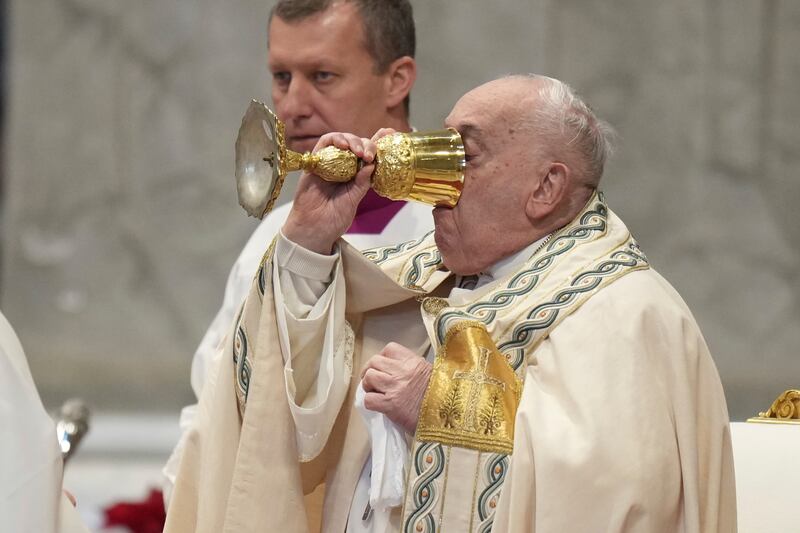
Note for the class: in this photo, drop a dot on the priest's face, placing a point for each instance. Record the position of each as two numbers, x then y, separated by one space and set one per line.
490 222
323 77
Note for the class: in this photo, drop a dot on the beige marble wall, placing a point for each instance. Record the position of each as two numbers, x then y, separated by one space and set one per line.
120 218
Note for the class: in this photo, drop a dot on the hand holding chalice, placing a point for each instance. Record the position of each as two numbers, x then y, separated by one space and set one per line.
424 166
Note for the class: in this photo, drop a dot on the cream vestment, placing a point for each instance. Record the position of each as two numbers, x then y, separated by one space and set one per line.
574 394
413 219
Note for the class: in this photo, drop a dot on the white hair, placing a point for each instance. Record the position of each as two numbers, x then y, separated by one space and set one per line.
560 112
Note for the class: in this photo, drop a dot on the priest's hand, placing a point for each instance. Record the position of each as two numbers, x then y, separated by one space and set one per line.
323 210
395 381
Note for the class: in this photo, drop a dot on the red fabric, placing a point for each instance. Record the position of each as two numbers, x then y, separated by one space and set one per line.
147 516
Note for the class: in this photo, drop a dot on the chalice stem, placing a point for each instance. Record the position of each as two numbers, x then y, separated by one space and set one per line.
330 163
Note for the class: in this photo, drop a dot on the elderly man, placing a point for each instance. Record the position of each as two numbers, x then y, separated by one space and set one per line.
566 385
343 65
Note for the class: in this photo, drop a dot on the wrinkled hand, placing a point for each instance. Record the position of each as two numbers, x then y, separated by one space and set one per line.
323 210
395 381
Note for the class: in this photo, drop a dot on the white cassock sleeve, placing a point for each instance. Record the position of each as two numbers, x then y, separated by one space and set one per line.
316 342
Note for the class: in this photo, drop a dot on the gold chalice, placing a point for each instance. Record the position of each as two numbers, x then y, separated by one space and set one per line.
424 166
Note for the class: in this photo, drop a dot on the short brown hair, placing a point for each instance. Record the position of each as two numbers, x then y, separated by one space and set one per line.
388 25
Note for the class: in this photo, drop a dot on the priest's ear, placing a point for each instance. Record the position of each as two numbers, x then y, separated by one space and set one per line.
400 77
549 193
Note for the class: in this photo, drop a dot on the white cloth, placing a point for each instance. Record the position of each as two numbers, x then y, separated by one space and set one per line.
413 220
387 468
31 500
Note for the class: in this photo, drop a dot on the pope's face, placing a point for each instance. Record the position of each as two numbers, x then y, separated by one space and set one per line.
501 170
323 78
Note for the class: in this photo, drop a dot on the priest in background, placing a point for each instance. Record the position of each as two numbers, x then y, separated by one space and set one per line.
548 378
337 65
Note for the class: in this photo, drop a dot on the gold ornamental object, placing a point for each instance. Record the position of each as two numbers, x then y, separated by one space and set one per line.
424 166
473 393
784 410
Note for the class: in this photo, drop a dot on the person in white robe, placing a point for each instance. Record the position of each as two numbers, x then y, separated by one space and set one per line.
568 389
324 70
31 498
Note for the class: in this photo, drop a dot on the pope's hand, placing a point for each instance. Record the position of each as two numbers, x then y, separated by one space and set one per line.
395 381
323 210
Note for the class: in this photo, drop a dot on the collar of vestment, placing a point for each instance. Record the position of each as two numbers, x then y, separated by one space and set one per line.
525 302
510 263
466 284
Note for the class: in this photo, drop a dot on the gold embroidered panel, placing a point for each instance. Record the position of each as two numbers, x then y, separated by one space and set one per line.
473 393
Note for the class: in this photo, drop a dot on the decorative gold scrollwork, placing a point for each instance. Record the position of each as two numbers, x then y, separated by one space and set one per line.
785 409
394 173
434 305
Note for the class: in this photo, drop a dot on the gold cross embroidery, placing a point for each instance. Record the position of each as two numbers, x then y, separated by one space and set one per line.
477 377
